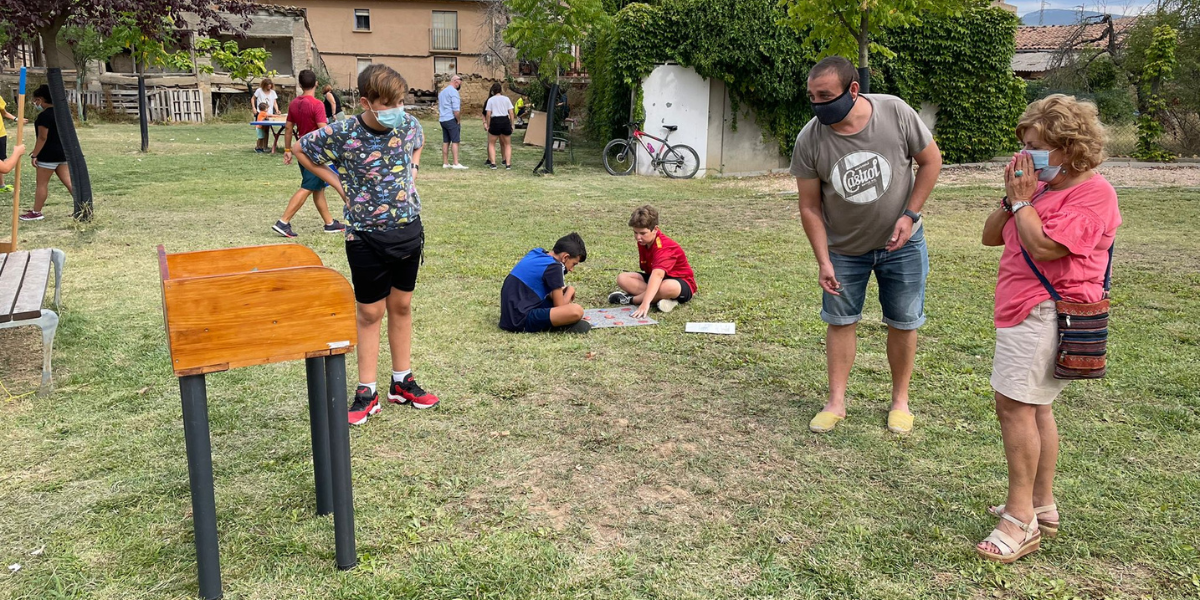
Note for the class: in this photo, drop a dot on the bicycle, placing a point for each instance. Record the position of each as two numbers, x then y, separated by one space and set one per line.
678 162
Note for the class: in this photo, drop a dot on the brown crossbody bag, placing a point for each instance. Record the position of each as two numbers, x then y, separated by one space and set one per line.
1082 329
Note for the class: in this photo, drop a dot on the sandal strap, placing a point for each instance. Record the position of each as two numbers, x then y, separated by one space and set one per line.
1045 509
1002 541
1028 528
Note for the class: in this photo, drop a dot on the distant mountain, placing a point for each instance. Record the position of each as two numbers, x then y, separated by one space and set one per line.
1058 16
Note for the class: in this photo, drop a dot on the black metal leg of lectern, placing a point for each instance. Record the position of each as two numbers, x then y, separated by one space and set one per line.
339 451
204 505
318 419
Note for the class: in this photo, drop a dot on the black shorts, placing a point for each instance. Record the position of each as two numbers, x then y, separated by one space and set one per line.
451 131
3 147
376 267
684 295
500 126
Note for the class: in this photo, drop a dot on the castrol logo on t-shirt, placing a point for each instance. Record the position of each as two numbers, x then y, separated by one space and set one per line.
861 177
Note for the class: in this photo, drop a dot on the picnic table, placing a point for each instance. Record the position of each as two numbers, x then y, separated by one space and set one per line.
275 128
23 280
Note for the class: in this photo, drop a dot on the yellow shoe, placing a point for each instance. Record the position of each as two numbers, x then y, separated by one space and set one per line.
899 421
824 422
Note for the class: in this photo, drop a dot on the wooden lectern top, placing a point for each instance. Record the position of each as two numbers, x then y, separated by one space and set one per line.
254 305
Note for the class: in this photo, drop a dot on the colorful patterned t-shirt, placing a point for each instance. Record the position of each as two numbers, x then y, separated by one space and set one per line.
375 168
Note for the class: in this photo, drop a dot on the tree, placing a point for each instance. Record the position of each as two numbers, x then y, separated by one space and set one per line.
86 45
544 31
1159 68
492 25
153 18
848 27
244 64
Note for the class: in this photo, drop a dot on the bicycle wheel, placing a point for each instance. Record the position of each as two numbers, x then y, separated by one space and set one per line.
619 157
680 162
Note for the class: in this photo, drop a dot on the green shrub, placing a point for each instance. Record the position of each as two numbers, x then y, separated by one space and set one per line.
961 64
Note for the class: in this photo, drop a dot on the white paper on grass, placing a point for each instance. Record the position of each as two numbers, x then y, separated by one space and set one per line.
717 328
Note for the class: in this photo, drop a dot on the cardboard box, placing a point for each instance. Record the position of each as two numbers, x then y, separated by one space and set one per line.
535 134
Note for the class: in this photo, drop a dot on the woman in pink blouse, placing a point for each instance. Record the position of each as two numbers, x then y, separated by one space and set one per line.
1065 216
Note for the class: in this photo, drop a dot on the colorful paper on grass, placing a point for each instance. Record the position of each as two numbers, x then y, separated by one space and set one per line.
615 317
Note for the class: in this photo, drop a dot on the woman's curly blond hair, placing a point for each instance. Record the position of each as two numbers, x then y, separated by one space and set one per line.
1067 123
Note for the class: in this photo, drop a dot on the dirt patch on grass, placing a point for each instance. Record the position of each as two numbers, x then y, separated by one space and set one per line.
21 360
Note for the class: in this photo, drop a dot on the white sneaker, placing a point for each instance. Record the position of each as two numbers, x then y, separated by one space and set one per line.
667 305
458 166
445 166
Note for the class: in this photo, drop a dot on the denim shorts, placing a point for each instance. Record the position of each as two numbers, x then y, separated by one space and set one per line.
451 131
901 278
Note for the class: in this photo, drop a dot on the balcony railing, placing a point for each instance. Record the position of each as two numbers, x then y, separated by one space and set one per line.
443 39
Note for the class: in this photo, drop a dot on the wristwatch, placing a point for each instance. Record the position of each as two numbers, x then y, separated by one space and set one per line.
915 216
416 167
1019 206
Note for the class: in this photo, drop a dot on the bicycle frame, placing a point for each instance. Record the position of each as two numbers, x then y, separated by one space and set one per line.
637 136
637 139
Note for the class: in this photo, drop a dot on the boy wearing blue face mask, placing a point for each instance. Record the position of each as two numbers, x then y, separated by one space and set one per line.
860 204
376 155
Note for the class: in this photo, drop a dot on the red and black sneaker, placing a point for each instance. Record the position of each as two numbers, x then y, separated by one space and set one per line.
366 403
403 392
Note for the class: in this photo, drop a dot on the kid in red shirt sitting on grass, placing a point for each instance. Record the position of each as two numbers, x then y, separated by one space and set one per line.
666 275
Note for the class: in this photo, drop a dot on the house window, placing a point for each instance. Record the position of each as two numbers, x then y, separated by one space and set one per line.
444 34
363 63
445 65
362 19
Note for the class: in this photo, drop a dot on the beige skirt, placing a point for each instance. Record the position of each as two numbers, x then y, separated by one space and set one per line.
1023 367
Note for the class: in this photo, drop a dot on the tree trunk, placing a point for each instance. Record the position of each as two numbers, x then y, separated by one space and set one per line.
864 46
49 35
79 92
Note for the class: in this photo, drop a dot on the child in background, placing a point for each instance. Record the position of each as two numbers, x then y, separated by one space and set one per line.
262 129
305 114
4 114
666 275
377 154
535 296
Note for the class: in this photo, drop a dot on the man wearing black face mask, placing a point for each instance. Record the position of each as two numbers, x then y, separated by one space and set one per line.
860 203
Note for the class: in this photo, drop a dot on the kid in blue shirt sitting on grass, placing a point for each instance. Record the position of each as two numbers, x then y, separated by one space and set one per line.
535 296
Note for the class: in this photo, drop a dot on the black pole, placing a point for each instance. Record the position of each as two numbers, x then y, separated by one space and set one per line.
81 183
864 80
143 118
318 420
204 505
339 453
551 117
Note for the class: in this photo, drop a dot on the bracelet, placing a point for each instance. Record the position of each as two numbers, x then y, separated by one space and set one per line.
416 167
1018 206
1006 205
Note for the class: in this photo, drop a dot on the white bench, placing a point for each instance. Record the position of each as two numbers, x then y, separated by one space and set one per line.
23 280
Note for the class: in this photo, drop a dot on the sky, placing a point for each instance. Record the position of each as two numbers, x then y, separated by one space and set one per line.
1116 7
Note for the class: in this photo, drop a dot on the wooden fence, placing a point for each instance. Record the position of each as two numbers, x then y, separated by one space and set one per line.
164 104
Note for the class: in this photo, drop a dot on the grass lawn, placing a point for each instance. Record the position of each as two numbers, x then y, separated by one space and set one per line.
642 463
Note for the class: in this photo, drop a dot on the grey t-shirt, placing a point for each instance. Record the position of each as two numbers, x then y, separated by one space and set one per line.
866 178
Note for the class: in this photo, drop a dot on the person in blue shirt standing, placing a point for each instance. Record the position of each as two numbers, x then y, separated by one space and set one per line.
535 296
450 116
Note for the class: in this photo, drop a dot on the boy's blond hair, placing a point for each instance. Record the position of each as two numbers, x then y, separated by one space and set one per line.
644 217
382 83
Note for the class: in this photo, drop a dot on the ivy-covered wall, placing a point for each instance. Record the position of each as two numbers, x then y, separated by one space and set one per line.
959 64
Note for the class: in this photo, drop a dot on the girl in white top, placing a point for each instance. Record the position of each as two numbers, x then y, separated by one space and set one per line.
266 93
498 120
